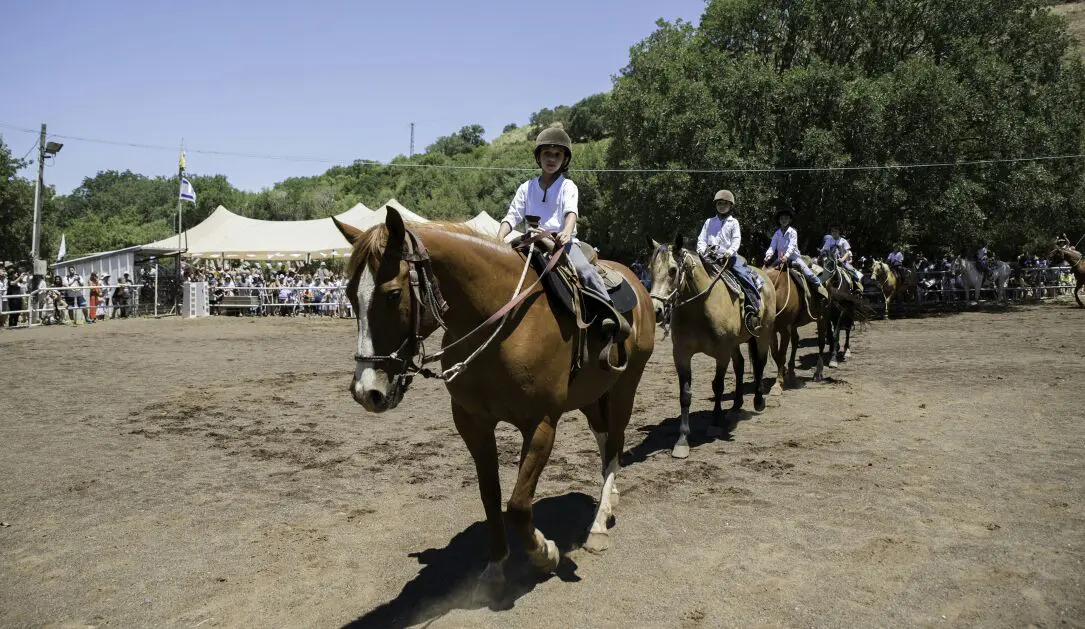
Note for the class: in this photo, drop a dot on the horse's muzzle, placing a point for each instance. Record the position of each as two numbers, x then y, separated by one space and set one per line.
372 398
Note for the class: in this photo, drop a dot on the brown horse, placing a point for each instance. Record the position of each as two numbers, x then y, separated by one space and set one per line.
706 318
791 314
518 370
1065 254
890 284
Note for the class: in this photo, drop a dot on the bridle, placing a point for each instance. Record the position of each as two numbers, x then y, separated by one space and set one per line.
670 303
410 358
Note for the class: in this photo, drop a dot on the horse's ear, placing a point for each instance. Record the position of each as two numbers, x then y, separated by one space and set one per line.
679 242
351 233
652 244
396 230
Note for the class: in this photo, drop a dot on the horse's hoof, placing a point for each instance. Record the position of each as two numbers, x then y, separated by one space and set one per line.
714 431
546 560
833 364
680 451
777 389
759 404
818 377
597 542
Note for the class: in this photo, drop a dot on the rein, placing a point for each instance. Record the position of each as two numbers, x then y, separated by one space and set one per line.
683 275
425 293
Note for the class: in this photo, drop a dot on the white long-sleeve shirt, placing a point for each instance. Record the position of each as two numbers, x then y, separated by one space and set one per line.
842 245
724 234
785 244
550 205
896 258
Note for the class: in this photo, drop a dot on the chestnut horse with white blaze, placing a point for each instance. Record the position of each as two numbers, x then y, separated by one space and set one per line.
407 283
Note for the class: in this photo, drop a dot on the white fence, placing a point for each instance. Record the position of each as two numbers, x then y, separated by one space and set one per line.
1035 283
40 307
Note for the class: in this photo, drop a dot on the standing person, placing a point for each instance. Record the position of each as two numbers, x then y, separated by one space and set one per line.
121 296
718 244
14 294
554 199
77 300
784 250
982 262
3 293
95 296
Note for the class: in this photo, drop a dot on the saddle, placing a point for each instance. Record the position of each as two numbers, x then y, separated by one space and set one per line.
804 289
563 287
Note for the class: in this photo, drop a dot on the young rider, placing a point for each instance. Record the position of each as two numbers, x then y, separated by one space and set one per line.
784 249
836 239
718 242
553 198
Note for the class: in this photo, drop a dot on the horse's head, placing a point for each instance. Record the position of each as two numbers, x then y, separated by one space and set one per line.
391 321
664 267
879 271
958 266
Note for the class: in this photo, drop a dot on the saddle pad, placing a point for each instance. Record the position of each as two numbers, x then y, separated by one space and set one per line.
623 296
800 281
612 278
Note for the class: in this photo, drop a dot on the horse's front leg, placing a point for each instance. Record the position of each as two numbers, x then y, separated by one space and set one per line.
611 441
542 552
685 397
482 445
822 325
779 356
791 377
718 427
759 355
1077 292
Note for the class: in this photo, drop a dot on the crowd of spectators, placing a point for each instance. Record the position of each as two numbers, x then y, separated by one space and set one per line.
278 288
59 300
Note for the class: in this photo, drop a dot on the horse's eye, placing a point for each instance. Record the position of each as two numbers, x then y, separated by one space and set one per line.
394 295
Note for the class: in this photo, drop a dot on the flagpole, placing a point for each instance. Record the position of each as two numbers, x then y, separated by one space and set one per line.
180 184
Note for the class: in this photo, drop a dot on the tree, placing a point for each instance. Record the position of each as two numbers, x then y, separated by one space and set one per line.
588 119
509 127
16 208
464 141
788 86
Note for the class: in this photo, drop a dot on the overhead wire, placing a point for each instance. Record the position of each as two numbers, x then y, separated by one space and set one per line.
706 171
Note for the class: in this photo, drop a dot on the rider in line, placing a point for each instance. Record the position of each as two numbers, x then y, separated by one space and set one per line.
835 239
784 248
718 245
981 261
553 198
896 260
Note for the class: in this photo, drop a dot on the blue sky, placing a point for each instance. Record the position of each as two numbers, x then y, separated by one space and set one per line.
329 80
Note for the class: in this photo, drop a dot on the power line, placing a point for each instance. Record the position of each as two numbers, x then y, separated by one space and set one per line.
28 150
700 171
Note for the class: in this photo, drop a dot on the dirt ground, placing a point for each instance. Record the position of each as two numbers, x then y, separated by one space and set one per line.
216 473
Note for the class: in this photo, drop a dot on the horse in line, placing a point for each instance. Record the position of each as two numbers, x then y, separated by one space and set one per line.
1065 254
405 283
706 318
972 277
891 285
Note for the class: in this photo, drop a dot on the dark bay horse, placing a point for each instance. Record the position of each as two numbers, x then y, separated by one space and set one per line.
406 283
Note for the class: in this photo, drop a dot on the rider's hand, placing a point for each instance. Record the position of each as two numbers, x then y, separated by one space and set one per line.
563 237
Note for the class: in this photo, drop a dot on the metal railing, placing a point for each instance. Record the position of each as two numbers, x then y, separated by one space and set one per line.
37 307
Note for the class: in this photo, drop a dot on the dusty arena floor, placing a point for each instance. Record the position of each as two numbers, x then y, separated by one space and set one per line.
215 473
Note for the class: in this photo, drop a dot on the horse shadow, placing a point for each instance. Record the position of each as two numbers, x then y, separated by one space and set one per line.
661 437
448 577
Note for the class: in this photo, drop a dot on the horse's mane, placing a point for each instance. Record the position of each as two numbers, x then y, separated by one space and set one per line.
370 245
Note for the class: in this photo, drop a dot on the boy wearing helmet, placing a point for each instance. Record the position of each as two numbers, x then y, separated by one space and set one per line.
718 245
835 239
554 199
784 249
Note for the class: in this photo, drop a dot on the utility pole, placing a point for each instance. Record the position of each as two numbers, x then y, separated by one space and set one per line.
412 138
35 249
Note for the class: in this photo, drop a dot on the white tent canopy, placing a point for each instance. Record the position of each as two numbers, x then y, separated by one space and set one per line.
228 235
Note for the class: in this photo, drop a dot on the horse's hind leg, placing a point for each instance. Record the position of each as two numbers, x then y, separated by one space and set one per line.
542 552
823 325
794 349
611 442
1077 293
759 355
779 356
483 448
715 429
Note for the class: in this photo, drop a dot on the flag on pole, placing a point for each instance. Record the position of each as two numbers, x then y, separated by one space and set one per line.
188 193
181 162
63 251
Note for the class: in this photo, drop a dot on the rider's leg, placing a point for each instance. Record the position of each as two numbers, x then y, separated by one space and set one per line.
809 275
751 285
589 277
